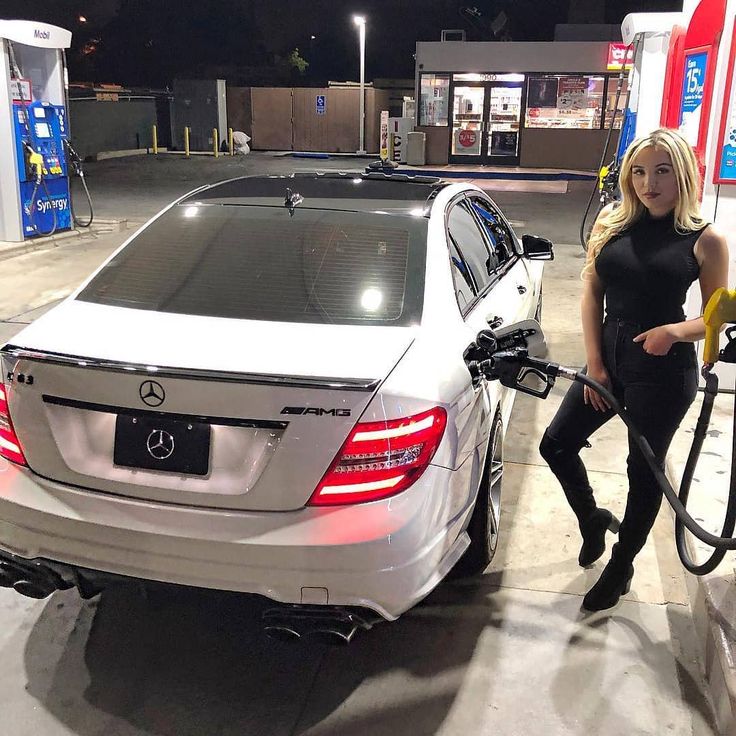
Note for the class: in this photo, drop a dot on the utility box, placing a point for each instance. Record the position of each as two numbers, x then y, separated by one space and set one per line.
201 106
398 130
415 153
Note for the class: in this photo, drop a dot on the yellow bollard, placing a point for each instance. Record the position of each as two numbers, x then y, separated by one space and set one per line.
186 141
215 142
230 142
155 140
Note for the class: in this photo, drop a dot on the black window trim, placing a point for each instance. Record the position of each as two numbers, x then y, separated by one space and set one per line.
496 210
497 275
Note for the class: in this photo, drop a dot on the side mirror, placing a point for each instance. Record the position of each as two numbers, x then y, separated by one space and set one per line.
537 248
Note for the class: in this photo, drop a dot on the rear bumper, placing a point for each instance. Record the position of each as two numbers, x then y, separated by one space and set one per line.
385 555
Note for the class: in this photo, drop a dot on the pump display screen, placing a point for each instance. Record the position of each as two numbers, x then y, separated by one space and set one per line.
42 130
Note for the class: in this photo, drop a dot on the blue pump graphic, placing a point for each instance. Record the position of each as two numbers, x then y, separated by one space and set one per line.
40 136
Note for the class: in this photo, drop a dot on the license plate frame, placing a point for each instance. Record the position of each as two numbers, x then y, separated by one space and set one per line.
177 446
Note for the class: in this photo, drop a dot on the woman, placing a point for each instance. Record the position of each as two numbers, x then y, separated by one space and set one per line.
643 254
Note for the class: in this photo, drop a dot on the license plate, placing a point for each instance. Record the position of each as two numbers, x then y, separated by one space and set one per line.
168 445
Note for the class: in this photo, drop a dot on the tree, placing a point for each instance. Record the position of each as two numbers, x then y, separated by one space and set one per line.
297 62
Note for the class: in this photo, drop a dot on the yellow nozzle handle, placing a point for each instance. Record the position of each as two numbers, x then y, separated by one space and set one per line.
720 310
602 174
36 162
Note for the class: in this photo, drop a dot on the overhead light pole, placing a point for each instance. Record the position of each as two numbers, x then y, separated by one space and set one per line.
359 20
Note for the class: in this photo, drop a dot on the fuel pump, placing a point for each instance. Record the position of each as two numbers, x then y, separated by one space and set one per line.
36 157
40 132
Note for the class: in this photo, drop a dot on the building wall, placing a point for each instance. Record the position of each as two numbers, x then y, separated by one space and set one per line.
239 109
565 149
539 147
111 126
286 119
480 56
271 118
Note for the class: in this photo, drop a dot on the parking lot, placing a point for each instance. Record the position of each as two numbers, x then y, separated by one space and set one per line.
507 653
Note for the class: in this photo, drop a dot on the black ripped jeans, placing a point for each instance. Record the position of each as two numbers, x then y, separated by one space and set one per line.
656 392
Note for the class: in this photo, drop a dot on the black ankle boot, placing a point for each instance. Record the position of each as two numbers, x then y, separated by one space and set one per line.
594 530
615 581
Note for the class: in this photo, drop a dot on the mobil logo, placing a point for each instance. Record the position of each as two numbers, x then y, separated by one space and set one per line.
38 33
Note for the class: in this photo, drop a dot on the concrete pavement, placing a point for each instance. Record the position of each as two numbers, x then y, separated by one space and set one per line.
507 653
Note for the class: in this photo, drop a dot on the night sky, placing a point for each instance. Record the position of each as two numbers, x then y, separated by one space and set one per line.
150 42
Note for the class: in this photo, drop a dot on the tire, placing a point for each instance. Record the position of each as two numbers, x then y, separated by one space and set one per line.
484 523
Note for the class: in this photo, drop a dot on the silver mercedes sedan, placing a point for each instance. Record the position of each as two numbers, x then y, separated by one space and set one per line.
265 390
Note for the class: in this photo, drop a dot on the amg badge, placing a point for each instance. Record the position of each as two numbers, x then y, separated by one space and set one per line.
316 411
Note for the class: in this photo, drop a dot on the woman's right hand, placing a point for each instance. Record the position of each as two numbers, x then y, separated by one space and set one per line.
600 375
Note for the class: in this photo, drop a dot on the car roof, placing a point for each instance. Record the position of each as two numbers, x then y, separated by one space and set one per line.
370 192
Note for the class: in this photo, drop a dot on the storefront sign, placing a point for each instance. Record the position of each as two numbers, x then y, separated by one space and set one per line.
504 142
384 135
572 93
620 56
693 86
467 142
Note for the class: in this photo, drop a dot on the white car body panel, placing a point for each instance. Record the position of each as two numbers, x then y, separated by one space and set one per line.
244 527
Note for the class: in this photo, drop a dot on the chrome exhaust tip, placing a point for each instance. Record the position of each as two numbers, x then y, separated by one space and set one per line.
333 637
33 588
327 625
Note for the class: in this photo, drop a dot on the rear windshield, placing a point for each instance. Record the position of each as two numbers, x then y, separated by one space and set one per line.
260 263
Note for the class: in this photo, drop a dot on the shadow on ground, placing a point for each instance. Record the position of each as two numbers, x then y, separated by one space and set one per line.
185 661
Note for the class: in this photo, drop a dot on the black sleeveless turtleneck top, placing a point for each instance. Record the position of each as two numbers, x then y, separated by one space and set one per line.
646 271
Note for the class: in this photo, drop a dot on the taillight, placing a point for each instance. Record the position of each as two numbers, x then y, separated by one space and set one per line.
381 459
9 446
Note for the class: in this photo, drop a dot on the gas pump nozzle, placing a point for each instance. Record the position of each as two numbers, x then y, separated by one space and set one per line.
34 162
720 310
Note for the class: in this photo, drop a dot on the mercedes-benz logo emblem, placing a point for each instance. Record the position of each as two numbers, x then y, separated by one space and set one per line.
160 444
152 393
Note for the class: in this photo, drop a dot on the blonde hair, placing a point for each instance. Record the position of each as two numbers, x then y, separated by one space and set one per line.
630 209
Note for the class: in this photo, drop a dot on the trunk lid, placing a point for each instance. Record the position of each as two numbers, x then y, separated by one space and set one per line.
191 410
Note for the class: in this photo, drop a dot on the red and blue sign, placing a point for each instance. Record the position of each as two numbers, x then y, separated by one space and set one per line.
693 84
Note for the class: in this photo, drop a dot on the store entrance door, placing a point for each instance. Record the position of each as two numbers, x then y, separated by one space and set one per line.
485 123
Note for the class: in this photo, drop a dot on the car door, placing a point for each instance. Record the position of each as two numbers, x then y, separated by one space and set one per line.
475 278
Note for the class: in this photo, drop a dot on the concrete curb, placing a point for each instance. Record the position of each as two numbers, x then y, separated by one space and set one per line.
99 227
713 610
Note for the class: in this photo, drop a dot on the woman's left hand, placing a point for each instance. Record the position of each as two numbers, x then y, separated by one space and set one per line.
658 340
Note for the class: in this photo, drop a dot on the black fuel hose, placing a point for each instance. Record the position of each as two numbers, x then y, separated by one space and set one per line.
33 205
75 161
684 520
611 127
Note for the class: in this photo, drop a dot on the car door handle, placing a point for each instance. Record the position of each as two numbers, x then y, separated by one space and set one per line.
521 289
494 322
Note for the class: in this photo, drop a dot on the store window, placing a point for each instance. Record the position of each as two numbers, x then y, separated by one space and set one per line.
564 101
611 101
434 99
